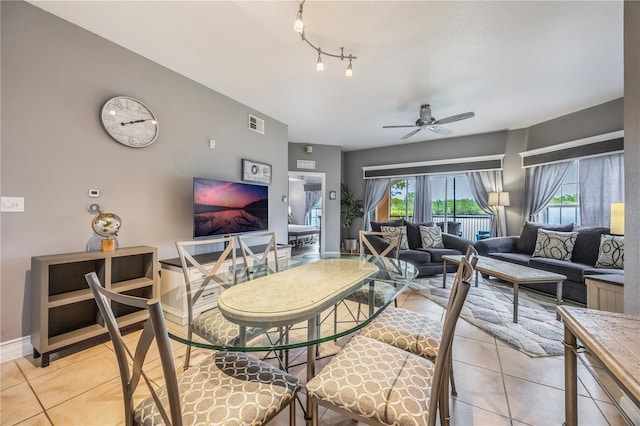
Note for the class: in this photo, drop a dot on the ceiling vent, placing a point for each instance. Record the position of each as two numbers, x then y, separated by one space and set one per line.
256 124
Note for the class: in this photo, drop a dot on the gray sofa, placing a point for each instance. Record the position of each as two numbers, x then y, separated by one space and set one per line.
427 260
519 249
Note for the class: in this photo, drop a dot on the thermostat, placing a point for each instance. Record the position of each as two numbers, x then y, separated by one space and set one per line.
94 193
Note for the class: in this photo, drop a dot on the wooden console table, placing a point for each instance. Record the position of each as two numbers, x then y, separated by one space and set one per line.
610 337
605 292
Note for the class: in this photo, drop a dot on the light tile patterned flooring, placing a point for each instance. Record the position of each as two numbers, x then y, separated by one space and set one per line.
497 385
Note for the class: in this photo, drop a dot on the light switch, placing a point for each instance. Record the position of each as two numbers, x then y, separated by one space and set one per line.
12 204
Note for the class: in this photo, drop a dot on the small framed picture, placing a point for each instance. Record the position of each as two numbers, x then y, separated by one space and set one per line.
252 171
332 195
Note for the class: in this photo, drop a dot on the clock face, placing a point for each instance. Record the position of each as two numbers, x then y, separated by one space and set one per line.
129 122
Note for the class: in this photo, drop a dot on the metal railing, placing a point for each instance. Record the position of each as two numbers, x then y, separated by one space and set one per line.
470 225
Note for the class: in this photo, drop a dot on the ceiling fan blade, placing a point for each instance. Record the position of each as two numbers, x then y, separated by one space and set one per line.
440 130
393 127
456 117
408 135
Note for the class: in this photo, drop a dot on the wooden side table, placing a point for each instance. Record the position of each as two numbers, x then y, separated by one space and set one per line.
605 292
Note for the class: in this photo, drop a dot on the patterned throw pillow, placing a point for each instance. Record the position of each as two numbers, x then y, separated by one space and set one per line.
554 244
404 244
431 237
611 253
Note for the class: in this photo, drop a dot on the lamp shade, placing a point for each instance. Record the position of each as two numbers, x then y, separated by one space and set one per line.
499 199
617 218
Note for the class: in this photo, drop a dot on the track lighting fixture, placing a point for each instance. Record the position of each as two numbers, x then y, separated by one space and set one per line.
299 27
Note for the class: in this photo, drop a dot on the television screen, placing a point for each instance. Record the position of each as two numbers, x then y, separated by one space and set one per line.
222 208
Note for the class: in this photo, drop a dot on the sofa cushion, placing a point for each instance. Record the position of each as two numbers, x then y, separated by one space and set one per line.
584 251
404 245
573 271
602 271
527 241
415 257
518 258
375 226
437 253
611 252
554 244
431 237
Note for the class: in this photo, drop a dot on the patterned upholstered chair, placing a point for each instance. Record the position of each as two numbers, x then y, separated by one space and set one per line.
210 324
415 332
226 388
377 383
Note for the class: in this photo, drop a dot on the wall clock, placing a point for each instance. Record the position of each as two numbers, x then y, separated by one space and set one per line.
129 122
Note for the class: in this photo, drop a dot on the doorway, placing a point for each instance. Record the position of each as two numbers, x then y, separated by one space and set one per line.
306 212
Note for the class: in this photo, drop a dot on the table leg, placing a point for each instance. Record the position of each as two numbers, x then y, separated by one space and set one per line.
570 379
242 337
558 297
476 278
515 302
444 274
312 333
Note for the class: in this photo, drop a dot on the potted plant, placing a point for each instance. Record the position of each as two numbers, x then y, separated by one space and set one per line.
351 209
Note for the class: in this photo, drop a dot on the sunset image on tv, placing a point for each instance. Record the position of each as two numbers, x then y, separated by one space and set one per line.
222 208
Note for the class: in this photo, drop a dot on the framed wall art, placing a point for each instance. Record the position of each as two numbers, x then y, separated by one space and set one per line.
252 171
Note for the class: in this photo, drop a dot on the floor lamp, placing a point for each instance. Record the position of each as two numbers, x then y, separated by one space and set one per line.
497 200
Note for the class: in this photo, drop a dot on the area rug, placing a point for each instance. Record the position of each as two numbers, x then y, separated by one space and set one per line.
490 307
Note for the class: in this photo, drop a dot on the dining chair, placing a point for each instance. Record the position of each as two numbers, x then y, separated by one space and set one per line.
377 383
226 388
415 332
267 254
210 324
379 291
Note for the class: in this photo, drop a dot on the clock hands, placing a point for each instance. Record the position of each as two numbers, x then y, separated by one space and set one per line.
138 121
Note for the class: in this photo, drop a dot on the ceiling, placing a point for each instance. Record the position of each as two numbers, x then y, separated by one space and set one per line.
514 64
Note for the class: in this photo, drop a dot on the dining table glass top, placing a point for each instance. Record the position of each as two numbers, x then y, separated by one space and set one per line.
300 301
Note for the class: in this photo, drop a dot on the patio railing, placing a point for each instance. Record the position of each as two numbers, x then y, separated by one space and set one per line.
470 225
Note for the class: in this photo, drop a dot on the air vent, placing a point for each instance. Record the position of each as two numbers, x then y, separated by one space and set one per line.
256 124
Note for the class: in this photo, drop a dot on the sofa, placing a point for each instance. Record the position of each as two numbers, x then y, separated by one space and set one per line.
427 260
583 258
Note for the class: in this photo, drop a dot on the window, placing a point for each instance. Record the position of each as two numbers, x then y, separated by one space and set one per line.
564 207
453 192
401 196
316 214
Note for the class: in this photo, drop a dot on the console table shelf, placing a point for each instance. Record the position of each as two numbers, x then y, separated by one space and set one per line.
63 311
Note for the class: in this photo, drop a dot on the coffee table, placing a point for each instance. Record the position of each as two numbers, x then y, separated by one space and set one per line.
511 273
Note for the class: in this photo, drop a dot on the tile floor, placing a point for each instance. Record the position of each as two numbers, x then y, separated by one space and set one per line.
497 385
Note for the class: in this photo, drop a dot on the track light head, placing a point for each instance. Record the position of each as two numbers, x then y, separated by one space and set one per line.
298 25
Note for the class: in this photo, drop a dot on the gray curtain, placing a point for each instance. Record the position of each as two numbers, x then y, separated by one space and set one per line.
374 192
422 200
481 184
541 183
311 198
601 183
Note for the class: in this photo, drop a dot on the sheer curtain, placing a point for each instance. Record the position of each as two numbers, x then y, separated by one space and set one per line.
311 198
541 183
481 184
422 200
601 183
374 192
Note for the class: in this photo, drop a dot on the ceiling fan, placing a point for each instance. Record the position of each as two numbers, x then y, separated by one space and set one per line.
426 120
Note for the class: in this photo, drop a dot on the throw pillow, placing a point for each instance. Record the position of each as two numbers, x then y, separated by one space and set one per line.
527 241
404 245
555 245
611 252
431 237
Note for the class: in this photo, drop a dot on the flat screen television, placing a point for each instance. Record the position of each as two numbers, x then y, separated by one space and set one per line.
223 208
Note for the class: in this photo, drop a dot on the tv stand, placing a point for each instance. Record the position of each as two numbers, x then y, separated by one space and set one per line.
174 302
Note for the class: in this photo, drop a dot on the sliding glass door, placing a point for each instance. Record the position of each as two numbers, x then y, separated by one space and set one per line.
454 209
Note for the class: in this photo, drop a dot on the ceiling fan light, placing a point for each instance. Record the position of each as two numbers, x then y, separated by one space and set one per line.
319 63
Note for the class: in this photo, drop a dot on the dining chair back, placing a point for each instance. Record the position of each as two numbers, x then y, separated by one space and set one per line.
367 246
263 256
214 274
375 388
216 382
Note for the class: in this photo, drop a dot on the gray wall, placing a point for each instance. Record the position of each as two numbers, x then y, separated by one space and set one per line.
632 156
329 161
600 119
55 78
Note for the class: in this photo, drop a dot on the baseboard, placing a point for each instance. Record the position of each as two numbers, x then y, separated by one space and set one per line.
16 348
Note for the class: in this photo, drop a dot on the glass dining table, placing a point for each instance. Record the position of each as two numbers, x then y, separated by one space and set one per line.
301 301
